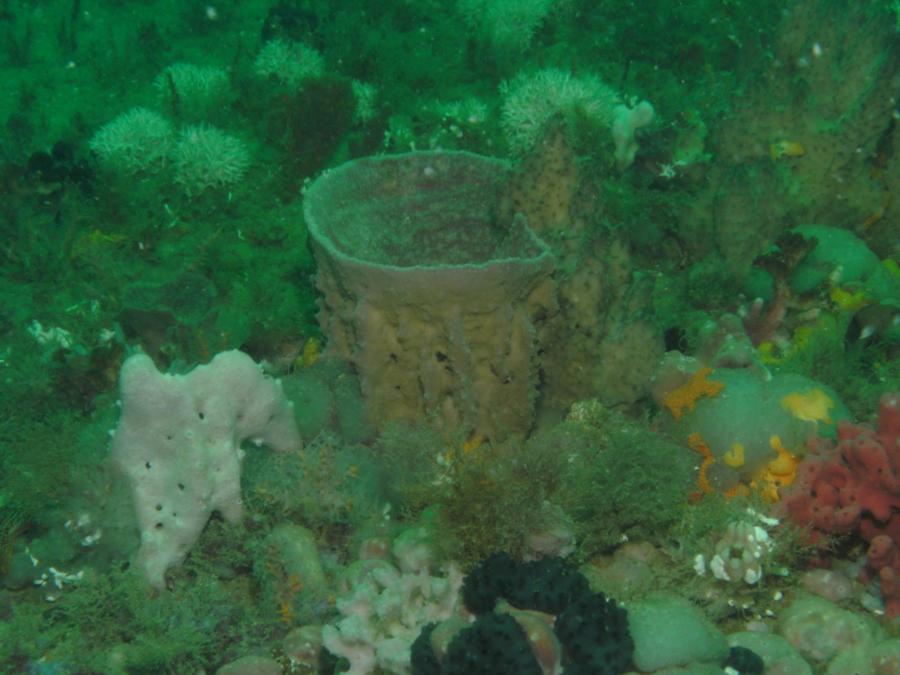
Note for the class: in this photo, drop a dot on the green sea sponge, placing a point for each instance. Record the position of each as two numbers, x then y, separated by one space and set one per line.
839 256
508 26
192 92
530 100
753 419
288 62
206 157
137 140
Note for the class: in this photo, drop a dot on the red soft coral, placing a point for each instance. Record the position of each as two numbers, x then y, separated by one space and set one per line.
854 486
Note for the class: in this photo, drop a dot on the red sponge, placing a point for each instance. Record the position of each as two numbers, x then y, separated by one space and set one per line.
854 486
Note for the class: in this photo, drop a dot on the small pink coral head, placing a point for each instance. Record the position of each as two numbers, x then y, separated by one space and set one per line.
831 484
878 485
847 429
881 551
865 457
846 519
889 592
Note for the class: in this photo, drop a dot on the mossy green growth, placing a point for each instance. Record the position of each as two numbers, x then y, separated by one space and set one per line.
11 522
293 586
621 481
35 465
688 301
495 497
487 497
602 477
703 522
328 486
111 622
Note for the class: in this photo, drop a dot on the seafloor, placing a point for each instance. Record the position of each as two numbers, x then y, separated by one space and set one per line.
499 336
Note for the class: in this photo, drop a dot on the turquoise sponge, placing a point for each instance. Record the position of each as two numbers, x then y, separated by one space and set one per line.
839 257
751 416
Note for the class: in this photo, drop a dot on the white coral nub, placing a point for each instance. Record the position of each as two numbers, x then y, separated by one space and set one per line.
739 554
179 444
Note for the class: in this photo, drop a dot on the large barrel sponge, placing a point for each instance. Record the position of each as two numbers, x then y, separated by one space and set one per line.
438 304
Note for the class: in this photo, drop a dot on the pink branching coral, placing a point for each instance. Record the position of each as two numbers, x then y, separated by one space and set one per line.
853 486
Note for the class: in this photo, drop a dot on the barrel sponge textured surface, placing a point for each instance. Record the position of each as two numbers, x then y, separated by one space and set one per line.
178 442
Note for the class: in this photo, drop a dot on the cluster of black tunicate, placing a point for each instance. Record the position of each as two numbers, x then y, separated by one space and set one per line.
422 658
591 628
546 585
593 631
494 644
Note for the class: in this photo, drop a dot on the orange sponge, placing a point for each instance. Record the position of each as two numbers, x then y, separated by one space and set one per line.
685 397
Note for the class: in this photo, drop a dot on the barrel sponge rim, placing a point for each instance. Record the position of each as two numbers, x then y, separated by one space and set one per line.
409 176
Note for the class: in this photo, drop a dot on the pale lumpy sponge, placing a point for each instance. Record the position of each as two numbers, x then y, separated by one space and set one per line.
179 444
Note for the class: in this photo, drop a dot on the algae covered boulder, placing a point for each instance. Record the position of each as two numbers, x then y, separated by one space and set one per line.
669 631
